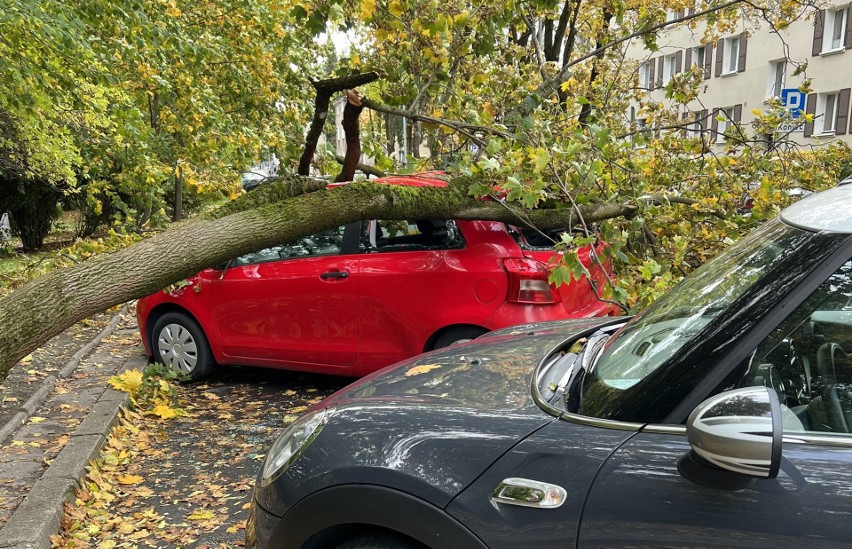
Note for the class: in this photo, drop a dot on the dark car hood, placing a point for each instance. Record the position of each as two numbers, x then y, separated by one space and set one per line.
491 373
430 426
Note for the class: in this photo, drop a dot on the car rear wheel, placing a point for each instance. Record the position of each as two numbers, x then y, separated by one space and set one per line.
458 334
179 342
378 541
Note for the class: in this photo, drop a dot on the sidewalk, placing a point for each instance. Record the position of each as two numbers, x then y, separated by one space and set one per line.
49 434
191 477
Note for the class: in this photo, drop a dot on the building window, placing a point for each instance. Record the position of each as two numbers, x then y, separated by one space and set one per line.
732 55
827 112
694 127
777 76
669 68
835 30
726 121
671 15
644 131
697 57
645 75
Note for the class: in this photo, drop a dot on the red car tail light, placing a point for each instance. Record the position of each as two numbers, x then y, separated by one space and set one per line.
528 281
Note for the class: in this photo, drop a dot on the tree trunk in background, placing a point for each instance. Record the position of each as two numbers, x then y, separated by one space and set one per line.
277 212
32 212
177 213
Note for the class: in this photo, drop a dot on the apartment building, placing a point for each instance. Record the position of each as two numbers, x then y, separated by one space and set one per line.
744 68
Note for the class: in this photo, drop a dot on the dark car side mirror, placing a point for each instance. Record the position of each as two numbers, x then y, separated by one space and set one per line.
738 432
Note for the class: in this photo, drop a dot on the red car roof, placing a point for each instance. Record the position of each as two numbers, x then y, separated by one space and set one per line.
424 179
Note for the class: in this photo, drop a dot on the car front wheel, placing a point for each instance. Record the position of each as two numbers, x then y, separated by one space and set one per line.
179 343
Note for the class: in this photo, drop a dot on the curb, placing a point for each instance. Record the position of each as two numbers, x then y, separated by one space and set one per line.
33 403
38 516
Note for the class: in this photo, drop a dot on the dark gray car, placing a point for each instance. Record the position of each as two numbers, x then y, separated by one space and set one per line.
719 417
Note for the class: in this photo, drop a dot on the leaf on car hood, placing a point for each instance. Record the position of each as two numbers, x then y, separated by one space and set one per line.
422 369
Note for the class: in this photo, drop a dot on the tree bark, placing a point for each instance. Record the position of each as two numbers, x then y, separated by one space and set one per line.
177 213
325 89
351 113
366 168
279 211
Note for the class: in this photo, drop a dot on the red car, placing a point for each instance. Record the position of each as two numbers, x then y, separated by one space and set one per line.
354 299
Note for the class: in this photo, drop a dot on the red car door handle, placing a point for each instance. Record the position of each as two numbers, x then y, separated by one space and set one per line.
334 274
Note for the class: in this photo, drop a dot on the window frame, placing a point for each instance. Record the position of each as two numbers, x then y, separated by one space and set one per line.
698 52
829 26
822 114
727 122
772 81
669 68
645 75
693 129
731 61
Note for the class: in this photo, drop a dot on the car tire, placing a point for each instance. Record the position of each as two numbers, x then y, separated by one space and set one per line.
457 335
378 541
179 342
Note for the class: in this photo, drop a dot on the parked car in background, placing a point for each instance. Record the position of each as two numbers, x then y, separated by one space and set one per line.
719 417
356 298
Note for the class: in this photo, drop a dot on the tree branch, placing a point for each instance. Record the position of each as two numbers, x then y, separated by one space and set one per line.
325 89
468 130
545 89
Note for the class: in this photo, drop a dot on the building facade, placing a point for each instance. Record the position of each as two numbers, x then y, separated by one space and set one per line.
746 68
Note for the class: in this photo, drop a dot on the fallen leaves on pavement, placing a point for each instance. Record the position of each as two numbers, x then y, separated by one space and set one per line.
186 482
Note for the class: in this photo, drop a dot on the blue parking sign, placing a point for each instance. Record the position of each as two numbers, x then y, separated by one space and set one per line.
794 100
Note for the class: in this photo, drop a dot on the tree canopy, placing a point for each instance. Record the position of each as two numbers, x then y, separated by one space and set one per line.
134 108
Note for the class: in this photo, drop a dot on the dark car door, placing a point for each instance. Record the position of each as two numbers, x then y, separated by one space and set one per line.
641 498
561 454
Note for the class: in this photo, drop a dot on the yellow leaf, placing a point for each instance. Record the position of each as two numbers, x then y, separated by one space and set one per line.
422 369
201 515
164 412
368 8
395 8
127 480
129 382
37 419
232 530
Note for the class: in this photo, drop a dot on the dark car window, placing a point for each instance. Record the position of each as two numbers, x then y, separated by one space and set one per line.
328 242
538 239
656 359
807 359
407 235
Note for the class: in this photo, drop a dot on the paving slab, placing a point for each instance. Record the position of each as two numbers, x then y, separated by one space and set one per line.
60 426
37 518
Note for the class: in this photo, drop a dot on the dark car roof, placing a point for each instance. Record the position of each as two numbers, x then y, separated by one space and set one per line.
829 210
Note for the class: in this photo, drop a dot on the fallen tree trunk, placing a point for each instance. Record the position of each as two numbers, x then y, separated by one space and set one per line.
280 211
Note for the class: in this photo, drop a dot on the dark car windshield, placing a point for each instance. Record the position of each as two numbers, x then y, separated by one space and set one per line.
733 289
